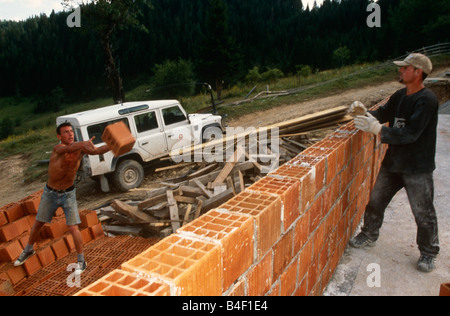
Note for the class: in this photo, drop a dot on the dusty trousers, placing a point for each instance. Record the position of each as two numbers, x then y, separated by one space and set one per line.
420 191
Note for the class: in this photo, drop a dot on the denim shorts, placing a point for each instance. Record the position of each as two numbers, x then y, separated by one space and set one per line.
52 200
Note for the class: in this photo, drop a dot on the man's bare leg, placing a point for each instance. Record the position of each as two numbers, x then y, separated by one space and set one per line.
78 241
34 236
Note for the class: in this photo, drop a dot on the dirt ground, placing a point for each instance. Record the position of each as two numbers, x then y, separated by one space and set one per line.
13 188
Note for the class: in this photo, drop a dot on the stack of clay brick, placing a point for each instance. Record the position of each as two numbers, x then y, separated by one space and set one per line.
282 236
46 272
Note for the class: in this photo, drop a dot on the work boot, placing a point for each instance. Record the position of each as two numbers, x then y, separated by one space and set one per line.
426 263
24 256
361 241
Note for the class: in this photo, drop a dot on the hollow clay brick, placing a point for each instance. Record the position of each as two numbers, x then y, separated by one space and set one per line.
260 277
59 248
13 211
282 254
305 259
266 211
8 232
445 289
86 235
317 163
10 251
191 267
289 279
88 218
68 239
22 225
16 274
289 193
293 172
30 204
46 256
97 231
301 232
123 283
32 265
235 234
3 219
56 229
119 138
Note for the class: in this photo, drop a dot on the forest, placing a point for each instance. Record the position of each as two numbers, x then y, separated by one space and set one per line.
45 58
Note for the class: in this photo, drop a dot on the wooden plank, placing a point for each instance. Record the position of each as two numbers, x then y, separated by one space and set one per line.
241 181
216 200
152 201
185 199
203 171
190 191
203 188
177 166
131 211
186 215
284 127
199 208
124 230
173 208
230 184
231 163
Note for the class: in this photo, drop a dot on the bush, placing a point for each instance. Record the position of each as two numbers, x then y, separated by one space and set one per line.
304 71
253 76
272 75
174 79
341 56
6 128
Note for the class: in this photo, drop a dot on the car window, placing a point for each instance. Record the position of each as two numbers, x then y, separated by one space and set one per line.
146 122
173 115
98 129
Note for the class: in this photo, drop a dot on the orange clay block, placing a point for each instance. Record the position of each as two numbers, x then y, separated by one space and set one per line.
289 192
266 212
235 234
123 283
119 139
191 267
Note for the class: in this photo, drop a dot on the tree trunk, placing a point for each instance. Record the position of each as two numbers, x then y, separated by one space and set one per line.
112 73
219 88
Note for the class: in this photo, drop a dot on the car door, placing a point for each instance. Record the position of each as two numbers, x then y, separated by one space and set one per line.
177 128
150 135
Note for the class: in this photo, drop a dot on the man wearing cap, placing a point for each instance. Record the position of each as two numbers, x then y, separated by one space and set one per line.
412 114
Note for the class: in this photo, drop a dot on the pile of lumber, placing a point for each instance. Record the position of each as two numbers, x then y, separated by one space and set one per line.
206 186
181 200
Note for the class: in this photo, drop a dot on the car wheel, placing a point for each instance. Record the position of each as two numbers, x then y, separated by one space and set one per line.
211 133
128 175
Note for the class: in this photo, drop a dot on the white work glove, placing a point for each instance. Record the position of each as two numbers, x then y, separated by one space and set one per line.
368 124
357 109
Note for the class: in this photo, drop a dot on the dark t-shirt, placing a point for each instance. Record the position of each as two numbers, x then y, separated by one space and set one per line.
411 134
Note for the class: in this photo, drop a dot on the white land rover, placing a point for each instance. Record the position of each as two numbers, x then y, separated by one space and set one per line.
158 126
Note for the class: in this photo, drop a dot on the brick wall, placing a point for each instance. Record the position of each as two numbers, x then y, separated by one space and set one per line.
283 236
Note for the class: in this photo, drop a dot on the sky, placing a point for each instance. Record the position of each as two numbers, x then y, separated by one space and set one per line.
18 10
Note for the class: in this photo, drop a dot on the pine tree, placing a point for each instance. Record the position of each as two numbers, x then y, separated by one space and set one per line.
219 59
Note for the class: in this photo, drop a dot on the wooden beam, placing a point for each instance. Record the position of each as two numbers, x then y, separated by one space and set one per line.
131 211
231 163
186 215
173 208
203 188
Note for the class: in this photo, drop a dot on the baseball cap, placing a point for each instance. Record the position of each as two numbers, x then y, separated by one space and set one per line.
419 61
